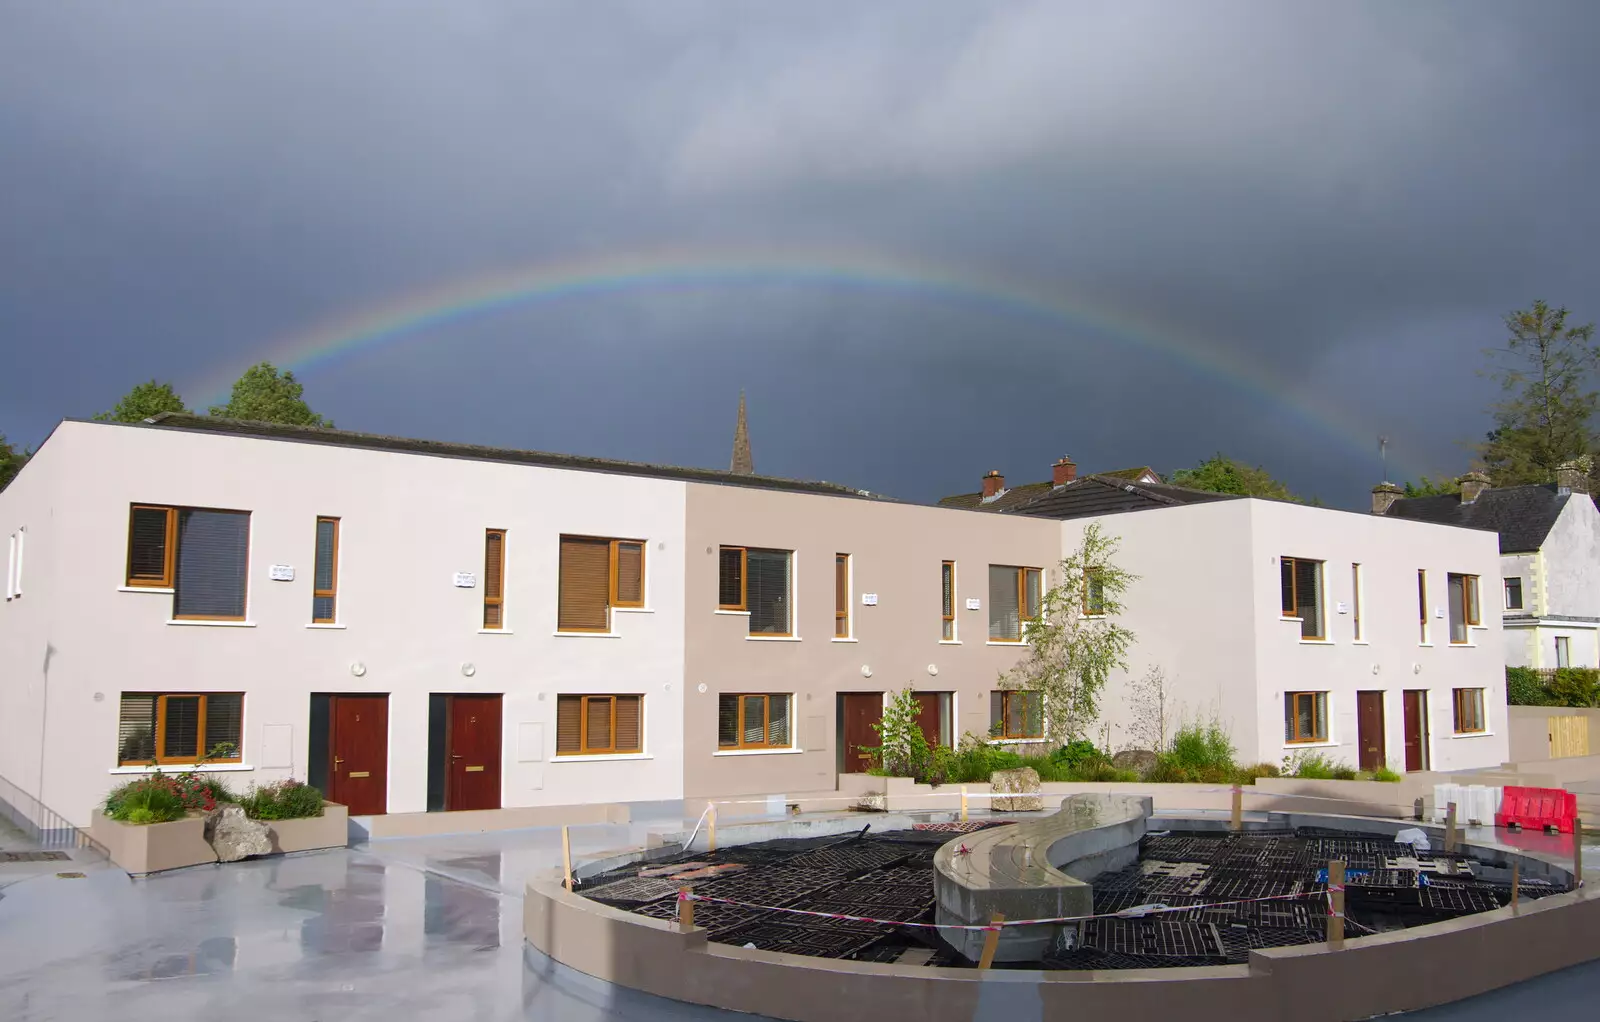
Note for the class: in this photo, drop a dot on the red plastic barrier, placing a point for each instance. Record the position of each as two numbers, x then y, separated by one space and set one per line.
1538 809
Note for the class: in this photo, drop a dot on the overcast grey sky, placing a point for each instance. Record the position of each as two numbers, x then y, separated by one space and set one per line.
1317 212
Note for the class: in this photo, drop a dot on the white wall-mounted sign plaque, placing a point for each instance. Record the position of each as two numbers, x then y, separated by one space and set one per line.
466 580
281 573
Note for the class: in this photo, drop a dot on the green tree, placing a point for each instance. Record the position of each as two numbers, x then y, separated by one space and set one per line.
10 461
1545 369
262 394
1075 642
1427 487
142 402
1221 474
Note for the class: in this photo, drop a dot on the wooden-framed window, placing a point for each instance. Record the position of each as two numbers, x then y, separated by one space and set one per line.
757 581
325 573
1301 584
152 546
947 601
841 596
754 721
202 554
1422 605
1355 601
162 727
1305 717
596 575
1014 596
1563 651
1514 593
1469 711
600 725
1094 593
1463 590
1016 714
494 579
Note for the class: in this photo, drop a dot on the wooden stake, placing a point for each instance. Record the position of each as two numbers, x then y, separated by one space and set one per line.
1336 901
1238 808
1516 883
685 910
991 941
963 803
711 828
1450 827
1577 853
566 857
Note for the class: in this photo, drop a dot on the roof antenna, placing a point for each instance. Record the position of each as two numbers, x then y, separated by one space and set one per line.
1383 456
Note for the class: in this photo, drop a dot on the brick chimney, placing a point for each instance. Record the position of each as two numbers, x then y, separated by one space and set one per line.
1573 476
1384 495
1063 471
993 483
1472 484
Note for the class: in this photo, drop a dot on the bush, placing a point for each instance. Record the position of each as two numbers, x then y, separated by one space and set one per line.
1203 749
286 800
1256 771
1385 775
1524 687
1575 686
1076 753
1315 766
146 800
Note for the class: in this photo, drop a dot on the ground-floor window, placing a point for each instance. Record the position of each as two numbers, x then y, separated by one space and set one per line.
1305 717
1018 714
599 725
159 727
754 721
1469 710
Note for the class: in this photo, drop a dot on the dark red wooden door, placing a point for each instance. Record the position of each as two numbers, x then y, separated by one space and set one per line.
358 753
931 717
861 710
474 753
1369 730
1416 729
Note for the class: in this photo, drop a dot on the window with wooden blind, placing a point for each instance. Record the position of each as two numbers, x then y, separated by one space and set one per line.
1094 593
599 725
494 579
152 544
1014 595
754 721
1016 715
202 554
596 575
1422 604
757 582
158 727
1301 585
1463 590
947 601
1469 711
325 573
1355 601
1305 717
841 596
730 578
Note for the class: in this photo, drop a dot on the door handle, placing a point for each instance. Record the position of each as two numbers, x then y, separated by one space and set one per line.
336 761
455 757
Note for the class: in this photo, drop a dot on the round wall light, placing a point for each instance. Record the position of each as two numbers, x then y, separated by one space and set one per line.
358 668
866 672
933 669
469 670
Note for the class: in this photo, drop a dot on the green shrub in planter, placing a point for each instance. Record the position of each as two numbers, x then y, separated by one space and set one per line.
286 800
146 800
1385 775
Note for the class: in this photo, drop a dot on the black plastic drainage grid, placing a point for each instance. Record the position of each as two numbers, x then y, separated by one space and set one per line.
834 939
1149 937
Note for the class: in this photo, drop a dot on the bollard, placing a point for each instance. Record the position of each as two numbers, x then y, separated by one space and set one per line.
991 941
963 803
1450 827
1577 853
1238 809
1516 883
711 828
566 857
1417 809
1336 902
685 910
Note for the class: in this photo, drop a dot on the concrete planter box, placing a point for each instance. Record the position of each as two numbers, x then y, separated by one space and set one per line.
153 847
330 830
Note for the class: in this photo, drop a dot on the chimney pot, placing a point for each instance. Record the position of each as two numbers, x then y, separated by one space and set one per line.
1383 497
1063 471
993 483
1573 476
1472 485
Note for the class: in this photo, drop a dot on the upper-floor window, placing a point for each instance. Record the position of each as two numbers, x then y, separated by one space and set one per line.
596 575
1355 602
757 582
1014 595
1305 717
1301 585
947 601
1563 651
19 539
750 721
494 579
200 553
325 573
1016 714
1094 593
157 727
1469 711
1463 591
1514 594
599 725
1422 604
841 596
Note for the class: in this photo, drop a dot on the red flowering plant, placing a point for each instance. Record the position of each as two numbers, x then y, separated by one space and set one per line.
159 796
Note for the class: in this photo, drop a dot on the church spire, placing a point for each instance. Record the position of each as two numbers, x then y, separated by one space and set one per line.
742 462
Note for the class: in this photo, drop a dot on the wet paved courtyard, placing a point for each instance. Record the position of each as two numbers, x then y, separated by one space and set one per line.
423 929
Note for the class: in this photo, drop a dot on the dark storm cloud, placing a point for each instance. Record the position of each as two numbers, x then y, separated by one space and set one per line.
1343 198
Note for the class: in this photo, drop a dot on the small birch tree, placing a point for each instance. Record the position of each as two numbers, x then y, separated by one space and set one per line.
1150 710
1075 642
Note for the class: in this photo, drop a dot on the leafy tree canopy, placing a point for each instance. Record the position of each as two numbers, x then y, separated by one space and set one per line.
1428 487
1221 474
142 402
263 394
1546 371
10 461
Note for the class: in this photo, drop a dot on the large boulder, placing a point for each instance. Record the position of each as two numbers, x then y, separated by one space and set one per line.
1134 759
234 836
1016 791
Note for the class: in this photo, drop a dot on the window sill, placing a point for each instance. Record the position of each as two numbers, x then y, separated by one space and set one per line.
1318 642
949 642
145 589
496 631
178 768
1424 645
1005 642
1291 746
841 639
633 610
326 625
1360 642
1472 734
1484 628
1296 620
587 635
758 752
1463 645
1017 741
196 623
772 638
732 613
603 757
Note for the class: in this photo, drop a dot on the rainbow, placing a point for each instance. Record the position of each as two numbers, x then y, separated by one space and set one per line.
703 269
